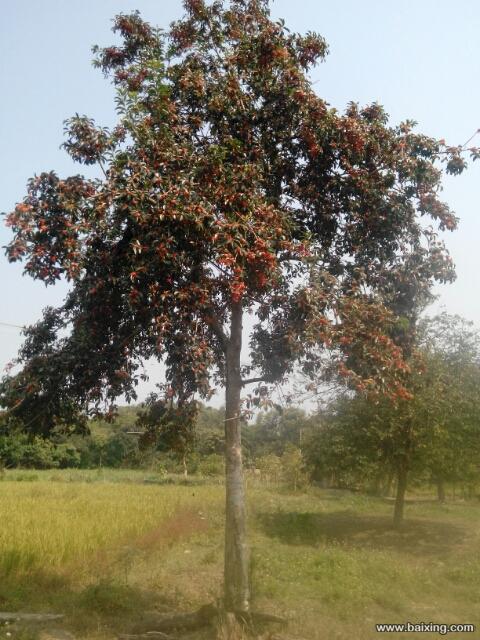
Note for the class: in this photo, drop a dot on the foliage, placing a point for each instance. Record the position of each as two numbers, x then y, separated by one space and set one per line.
358 443
293 471
227 182
269 466
18 450
452 353
273 430
116 444
168 427
211 465
349 443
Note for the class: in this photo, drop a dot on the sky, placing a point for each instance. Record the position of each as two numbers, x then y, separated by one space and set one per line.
419 59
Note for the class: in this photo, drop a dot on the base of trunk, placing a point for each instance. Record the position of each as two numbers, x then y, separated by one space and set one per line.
158 627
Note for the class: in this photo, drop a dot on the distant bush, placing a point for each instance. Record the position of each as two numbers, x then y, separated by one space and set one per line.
289 468
66 456
270 467
212 465
293 468
23 451
18 450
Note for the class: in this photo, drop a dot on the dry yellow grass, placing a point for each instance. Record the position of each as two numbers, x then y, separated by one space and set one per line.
53 525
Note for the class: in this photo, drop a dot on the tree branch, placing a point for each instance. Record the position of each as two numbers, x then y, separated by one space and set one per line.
217 329
253 380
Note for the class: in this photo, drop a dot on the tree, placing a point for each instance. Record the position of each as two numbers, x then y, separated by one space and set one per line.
292 463
228 187
440 424
434 435
452 352
209 431
348 445
270 467
273 430
168 427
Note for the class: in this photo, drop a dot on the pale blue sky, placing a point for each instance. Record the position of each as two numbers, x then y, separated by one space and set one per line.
419 58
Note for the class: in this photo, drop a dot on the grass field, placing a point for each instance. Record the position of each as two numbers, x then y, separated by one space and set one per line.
104 547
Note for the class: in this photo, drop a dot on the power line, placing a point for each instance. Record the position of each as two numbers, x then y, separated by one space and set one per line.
8 324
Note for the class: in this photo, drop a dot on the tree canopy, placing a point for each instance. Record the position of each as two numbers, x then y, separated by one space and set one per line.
227 181
435 436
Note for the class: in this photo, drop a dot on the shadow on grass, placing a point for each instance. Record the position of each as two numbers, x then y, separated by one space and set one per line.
416 537
333 495
107 603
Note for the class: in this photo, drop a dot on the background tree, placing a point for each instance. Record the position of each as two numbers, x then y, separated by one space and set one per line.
273 430
349 446
168 427
293 467
229 187
434 436
452 348
270 467
210 430
433 429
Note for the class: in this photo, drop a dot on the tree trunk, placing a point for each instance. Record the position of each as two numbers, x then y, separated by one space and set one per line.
185 469
237 588
388 485
400 497
375 486
440 491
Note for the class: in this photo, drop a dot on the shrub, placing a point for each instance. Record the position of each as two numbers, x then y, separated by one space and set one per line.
212 465
293 467
270 467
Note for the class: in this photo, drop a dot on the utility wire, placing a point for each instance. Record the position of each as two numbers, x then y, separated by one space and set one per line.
8 324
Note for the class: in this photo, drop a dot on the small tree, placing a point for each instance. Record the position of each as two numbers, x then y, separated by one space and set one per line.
228 187
292 464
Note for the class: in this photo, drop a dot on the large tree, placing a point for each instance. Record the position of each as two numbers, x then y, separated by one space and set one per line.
228 188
